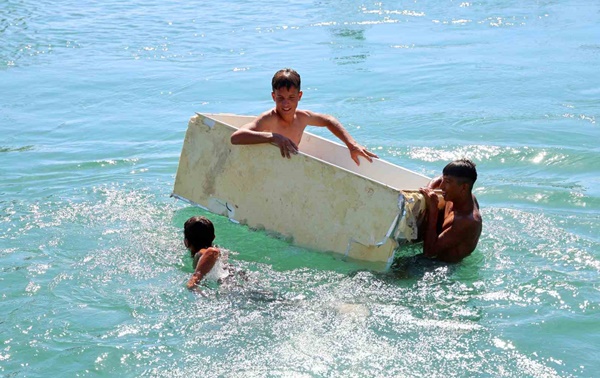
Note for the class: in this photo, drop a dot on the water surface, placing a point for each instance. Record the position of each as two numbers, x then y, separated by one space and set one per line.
94 103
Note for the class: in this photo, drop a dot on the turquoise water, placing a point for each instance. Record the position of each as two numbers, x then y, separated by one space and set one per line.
94 102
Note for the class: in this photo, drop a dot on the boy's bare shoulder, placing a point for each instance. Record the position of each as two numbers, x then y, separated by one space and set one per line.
308 117
263 120
267 114
305 113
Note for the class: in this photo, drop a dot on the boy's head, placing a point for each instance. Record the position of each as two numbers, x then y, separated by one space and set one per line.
287 78
463 170
199 233
286 92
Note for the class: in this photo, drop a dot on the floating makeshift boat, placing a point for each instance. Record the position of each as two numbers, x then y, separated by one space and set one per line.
319 198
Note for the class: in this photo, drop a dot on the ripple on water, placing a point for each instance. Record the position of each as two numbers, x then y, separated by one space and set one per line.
93 268
114 278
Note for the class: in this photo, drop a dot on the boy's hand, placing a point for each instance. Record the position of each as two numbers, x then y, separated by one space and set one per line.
193 281
191 284
431 199
358 150
285 144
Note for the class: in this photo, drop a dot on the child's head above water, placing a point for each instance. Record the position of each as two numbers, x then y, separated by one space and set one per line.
199 233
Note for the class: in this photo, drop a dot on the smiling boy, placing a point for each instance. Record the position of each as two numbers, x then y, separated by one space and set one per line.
285 124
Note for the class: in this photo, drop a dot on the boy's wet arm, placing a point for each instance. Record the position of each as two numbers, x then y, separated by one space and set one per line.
332 123
337 129
251 133
450 245
207 261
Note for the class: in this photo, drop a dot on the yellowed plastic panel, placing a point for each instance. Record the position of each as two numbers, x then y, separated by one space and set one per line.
320 205
380 170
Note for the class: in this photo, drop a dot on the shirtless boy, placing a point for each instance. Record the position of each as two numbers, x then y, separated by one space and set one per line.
285 124
199 234
452 233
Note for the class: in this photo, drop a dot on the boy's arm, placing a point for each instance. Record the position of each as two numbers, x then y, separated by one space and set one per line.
336 128
206 263
253 133
448 245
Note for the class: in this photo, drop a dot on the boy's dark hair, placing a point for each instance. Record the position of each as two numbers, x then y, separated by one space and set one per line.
463 169
286 77
199 231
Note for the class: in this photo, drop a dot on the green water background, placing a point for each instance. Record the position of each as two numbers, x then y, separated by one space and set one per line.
94 103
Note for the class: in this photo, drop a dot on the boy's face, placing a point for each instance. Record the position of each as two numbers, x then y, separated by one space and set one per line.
451 187
286 100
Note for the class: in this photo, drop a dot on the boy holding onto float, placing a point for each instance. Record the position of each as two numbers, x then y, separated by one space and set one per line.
284 125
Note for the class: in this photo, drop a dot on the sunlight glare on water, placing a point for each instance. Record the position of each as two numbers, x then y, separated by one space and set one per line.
94 103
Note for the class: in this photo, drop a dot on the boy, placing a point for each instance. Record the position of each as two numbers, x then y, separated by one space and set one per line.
452 233
285 124
199 234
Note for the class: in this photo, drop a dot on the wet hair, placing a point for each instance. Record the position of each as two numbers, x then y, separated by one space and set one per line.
286 77
463 169
199 232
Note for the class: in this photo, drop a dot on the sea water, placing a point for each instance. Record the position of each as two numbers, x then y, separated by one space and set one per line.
94 103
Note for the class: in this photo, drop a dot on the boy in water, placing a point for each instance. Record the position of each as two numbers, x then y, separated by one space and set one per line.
452 233
285 124
199 234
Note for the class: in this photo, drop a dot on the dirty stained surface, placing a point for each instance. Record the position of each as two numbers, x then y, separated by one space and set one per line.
313 203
